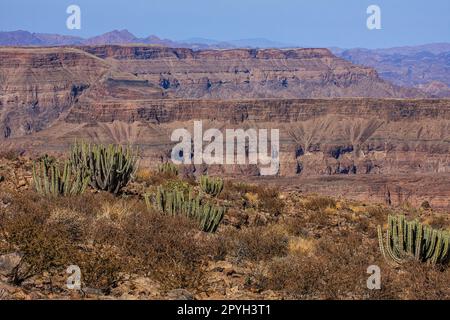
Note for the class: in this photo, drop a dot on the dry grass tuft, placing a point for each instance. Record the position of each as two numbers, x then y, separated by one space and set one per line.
257 243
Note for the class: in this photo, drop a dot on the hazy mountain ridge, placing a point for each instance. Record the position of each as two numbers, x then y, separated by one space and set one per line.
25 38
426 67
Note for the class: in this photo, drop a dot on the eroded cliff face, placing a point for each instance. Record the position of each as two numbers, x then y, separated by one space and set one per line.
37 85
318 137
249 73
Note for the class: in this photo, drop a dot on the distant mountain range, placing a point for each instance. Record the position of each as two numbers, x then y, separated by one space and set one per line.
25 38
426 67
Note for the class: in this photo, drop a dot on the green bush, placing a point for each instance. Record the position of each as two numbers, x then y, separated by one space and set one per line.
110 167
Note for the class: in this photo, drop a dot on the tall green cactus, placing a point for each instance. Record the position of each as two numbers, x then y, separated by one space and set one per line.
174 202
110 167
211 186
413 240
49 180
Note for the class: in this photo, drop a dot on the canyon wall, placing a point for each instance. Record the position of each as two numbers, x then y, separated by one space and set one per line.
319 136
249 73
387 149
38 85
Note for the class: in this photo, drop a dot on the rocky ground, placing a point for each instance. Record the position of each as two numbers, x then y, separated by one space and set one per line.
274 243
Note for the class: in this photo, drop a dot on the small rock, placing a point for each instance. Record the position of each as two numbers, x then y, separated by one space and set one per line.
179 294
137 287
92 291
22 183
8 262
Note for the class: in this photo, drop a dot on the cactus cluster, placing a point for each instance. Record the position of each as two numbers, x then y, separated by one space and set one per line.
413 240
110 167
211 186
168 168
50 180
174 202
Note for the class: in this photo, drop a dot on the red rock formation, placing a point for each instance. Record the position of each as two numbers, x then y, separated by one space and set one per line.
249 73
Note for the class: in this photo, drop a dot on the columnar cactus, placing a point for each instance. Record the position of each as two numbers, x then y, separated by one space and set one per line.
174 202
49 180
413 240
211 186
209 217
110 167
168 168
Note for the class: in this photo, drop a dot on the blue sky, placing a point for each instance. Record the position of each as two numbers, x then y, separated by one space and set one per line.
315 23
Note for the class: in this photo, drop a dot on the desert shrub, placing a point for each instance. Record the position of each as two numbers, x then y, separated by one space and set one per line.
167 249
378 213
106 237
235 191
318 203
439 222
143 175
295 226
11 154
314 219
161 177
178 185
336 270
75 224
300 276
270 201
253 196
51 234
425 205
44 245
101 267
414 281
257 243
